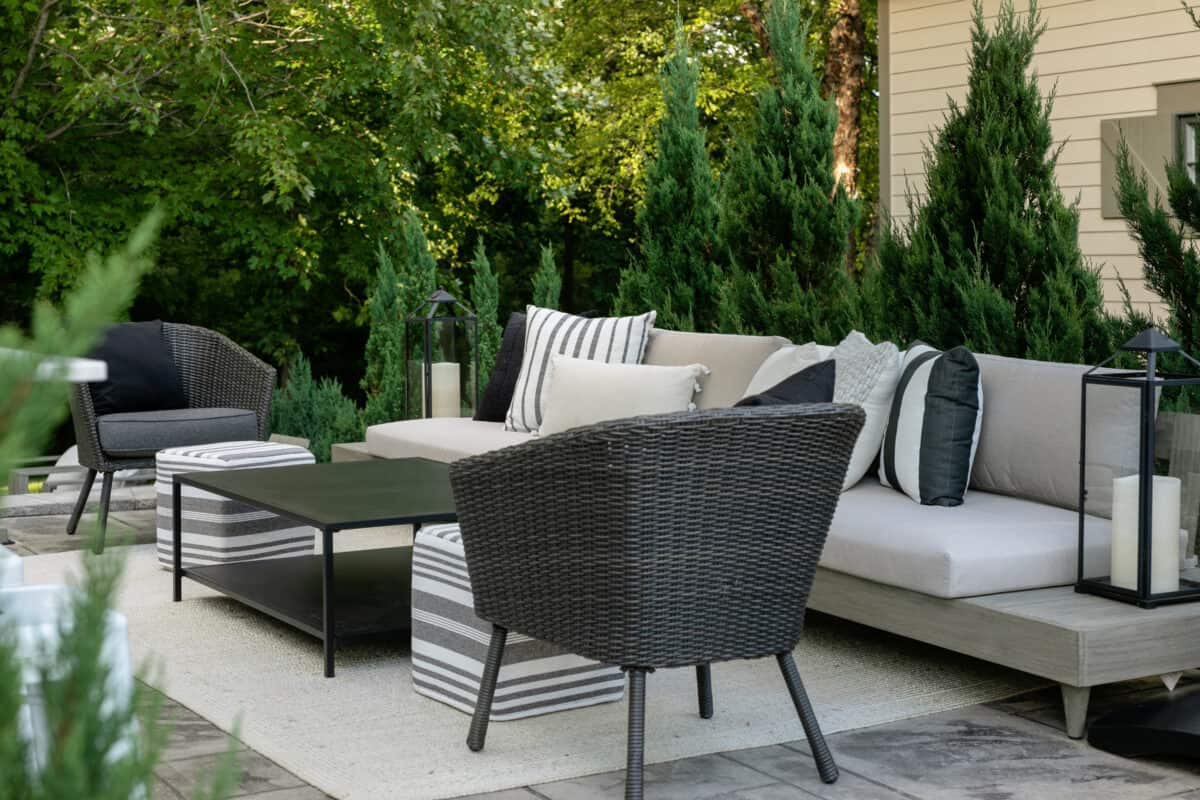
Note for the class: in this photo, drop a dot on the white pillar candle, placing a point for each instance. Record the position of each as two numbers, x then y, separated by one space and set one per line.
1164 537
447 389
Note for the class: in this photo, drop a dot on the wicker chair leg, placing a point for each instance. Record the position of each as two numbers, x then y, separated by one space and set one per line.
704 690
84 491
487 689
636 744
105 499
816 741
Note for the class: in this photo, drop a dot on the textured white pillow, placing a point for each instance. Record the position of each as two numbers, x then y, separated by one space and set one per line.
866 376
581 392
782 364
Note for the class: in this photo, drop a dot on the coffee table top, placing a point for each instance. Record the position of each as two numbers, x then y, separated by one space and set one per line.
350 494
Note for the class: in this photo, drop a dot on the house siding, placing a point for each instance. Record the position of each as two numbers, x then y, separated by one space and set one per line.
1103 59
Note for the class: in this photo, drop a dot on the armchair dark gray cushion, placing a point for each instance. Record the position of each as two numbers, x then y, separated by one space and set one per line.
622 542
144 433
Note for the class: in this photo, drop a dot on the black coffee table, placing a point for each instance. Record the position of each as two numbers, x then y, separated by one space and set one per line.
370 591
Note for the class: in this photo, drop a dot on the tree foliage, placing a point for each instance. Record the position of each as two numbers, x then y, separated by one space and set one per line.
317 410
676 271
784 220
547 283
485 298
989 256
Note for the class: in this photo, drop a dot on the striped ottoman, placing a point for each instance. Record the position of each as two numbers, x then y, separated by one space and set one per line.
450 643
217 530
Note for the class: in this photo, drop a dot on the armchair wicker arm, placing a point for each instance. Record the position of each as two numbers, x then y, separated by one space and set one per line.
658 541
217 372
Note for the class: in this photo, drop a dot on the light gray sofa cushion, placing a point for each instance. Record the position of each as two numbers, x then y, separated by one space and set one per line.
989 544
144 433
442 439
732 359
1029 445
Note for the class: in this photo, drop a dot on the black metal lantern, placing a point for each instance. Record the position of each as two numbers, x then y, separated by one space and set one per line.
1144 550
441 346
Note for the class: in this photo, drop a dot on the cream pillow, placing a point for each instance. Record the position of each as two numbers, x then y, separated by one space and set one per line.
581 392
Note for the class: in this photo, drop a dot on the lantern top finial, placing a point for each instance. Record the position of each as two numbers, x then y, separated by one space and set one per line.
441 296
1152 340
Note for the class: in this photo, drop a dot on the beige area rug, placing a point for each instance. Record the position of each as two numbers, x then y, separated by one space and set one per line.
365 734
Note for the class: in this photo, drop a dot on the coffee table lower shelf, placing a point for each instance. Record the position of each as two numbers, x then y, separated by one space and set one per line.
373 589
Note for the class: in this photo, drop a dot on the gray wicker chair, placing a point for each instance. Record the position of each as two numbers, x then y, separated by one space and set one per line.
216 373
656 542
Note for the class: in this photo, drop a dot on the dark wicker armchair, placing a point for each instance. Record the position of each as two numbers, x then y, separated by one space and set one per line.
216 374
665 541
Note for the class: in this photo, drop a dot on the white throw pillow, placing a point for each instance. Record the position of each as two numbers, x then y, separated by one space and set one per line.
549 333
581 392
866 376
933 427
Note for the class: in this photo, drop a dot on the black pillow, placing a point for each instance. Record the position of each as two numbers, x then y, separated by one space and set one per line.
142 376
493 406
810 385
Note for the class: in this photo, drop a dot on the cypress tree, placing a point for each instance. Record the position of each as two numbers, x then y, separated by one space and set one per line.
990 256
675 272
547 283
399 293
485 297
784 221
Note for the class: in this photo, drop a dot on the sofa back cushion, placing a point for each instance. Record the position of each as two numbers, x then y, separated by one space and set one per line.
731 359
1029 446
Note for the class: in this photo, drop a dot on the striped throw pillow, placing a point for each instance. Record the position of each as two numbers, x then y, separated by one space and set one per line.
549 333
933 429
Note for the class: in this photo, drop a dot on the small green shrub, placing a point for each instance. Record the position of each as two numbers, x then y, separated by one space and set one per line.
485 297
547 283
316 410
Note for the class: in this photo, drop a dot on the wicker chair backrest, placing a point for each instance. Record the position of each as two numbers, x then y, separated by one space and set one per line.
658 541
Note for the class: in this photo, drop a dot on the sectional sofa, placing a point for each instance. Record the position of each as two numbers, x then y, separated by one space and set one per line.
985 578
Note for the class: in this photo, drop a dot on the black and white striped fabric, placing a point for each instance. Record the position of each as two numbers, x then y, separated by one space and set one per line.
614 340
450 643
933 429
217 530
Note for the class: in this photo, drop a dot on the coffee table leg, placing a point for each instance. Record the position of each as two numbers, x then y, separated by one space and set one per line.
327 591
177 537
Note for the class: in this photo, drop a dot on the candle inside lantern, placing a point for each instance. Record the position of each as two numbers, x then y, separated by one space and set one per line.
447 389
1164 537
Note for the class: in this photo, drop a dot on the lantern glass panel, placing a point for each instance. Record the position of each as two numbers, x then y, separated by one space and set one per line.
441 347
1131 535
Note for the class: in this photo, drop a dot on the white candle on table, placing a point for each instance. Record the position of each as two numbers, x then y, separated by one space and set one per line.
447 389
1164 537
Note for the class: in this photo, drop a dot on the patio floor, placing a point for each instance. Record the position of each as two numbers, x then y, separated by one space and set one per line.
1010 749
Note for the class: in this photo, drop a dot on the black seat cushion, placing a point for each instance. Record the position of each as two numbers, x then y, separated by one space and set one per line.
810 385
141 434
142 375
493 405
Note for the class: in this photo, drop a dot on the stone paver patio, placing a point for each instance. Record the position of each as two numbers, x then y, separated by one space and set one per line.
1009 749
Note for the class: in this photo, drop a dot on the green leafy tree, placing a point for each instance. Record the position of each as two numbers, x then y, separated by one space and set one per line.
989 256
485 298
383 381
316 410
784 220
676 273
547 283
102 746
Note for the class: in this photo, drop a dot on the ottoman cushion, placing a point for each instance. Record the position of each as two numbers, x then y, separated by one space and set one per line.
450 643
144 433
217 530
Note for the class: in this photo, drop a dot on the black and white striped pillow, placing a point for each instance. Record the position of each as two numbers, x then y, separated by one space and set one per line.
933 430
549 333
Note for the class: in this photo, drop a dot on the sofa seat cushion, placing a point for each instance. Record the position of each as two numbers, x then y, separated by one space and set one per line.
444 439
991 543
138 434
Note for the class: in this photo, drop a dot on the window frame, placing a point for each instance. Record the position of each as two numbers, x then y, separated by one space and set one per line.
1182 123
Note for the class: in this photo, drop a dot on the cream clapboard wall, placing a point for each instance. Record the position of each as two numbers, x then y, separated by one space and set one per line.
1105 56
